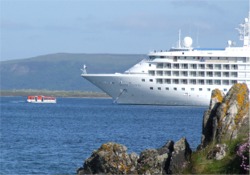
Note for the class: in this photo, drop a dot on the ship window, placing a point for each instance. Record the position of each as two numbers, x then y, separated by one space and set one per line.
143 80
208 89
234 81
226 66
209 66
167 88
184 66
209 82
218 82
176 81
201 81
167 81
234 67
159 88
160 73
168 73
168 65
175 59
225 90
217 66
160 65
233 74
151 80
201 66
217 74
159 81
184 81
200 89
201 74
193 66
183 89
193 73
175 73
149 65
209 74
225 74
192 89
176 66
151 88
192 81
175 89
225 82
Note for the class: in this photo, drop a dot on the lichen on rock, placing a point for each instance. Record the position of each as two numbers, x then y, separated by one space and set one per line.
110 158
225 116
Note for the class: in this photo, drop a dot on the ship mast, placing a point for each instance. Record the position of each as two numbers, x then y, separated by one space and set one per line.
244 31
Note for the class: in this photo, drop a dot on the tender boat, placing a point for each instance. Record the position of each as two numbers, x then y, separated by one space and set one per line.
41 99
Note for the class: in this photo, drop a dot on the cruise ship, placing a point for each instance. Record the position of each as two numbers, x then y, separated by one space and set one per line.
183 75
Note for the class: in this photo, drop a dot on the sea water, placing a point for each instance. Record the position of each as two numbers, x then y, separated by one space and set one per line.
57 138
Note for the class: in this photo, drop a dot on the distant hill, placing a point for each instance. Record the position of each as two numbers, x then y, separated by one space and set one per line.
61 71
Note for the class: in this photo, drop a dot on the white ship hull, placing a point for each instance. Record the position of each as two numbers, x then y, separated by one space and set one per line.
129 89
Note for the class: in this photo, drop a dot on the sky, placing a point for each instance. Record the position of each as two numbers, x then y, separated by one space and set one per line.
31 28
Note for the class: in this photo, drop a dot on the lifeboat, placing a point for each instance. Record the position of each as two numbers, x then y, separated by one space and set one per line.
41 99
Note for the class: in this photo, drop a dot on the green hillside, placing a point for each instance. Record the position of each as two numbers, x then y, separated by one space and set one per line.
61 71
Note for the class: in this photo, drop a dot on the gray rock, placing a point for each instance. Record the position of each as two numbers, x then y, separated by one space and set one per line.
209 124
218 152
225 116
180 156
155 161
110 158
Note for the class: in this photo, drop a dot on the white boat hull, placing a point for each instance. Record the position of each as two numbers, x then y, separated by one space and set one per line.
40 101
129 89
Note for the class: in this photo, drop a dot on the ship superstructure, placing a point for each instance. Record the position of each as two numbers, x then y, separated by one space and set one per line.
180 76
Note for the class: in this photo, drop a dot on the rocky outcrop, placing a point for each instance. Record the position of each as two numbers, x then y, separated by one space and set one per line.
112 158
156 161
180 156
226 115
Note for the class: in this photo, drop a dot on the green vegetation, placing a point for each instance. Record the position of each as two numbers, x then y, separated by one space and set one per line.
26 92
230 164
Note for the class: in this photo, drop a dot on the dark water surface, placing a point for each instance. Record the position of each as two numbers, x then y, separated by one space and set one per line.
57 138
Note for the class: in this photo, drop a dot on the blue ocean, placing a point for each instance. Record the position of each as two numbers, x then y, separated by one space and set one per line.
57 138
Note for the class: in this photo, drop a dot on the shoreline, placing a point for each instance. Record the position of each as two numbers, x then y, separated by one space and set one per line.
55 93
